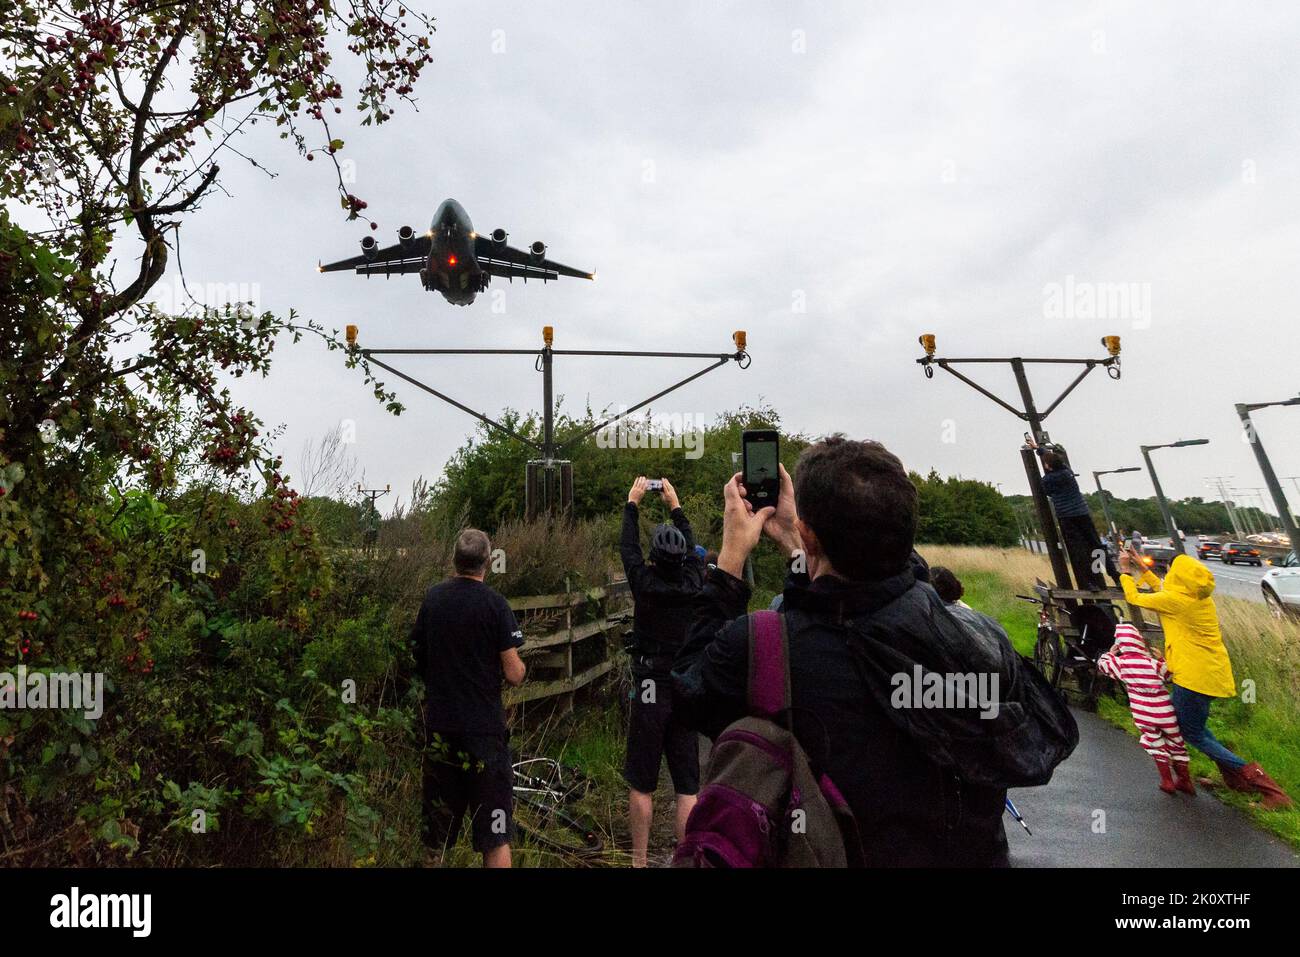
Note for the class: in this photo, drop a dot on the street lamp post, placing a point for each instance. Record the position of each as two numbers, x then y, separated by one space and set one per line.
1265 466
1175 537
1101 493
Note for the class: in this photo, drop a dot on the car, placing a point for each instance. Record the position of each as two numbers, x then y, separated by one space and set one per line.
1233 553
1158 557
1281 587
1207 549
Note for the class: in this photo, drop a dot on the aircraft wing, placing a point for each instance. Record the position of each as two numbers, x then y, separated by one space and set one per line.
397 258
506 260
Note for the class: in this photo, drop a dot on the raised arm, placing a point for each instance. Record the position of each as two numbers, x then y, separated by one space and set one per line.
711 671
629 546
1157 600
677 516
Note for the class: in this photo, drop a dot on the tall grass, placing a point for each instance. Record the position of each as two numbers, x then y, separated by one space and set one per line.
1261 724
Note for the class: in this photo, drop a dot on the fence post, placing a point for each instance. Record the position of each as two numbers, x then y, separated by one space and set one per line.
567 707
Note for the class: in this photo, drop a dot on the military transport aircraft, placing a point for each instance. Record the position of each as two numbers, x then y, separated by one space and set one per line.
453 259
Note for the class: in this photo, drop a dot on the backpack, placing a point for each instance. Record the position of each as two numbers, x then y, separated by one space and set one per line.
761 804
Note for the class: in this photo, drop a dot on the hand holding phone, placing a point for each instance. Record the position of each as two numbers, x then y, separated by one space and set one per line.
762 467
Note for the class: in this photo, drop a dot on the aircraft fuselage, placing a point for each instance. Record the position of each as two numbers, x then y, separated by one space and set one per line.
453 269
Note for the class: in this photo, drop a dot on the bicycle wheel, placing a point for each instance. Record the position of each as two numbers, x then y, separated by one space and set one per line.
549 825
1048 655
565 783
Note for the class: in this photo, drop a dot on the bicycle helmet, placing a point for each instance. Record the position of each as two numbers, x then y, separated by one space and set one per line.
667 545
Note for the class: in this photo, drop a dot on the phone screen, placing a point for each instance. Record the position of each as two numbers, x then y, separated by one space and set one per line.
762 467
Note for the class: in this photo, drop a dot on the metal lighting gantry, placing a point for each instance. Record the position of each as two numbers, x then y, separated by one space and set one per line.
1034 418
553 477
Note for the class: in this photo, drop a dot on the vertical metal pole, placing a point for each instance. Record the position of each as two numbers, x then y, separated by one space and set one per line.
1105 508
550 492
1247 519
1045 519
1270 478
1231 509
548 415
1175 540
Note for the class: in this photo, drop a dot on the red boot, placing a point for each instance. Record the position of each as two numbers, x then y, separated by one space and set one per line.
1184 778
1274 797
1234 779
1166 779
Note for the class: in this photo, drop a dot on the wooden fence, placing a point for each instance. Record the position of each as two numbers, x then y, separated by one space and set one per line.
558 640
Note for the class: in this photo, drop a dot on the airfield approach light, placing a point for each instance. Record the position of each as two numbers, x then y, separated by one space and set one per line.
352 335
927 343
548 335
740 339
1111 343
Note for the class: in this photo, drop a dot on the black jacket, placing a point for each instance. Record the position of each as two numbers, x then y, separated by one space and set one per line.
664 596
927 785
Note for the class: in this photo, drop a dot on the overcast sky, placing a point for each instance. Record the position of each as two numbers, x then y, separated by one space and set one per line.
836 180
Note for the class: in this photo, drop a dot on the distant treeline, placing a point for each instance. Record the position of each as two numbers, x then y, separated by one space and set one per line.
483 482
1194 516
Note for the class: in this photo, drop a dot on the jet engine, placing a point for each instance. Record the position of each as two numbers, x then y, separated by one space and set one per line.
369 247
499 236
538 250
406 236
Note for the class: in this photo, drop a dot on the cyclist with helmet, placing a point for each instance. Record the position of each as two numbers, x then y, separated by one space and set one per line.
663 592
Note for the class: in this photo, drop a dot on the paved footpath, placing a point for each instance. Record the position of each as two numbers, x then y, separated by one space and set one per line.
1144 827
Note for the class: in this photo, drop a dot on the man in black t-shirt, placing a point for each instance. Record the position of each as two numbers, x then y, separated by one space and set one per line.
466 641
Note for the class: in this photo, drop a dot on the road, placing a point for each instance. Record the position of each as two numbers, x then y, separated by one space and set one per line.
1102 808
1235 581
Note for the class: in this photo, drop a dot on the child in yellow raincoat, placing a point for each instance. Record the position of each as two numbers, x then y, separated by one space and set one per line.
1198 662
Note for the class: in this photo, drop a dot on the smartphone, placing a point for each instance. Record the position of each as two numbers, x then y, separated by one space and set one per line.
654 485
761 471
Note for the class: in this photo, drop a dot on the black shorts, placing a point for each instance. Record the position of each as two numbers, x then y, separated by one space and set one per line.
654 733
485 790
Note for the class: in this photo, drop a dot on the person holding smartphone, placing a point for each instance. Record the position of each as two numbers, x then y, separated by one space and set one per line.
858 616
663 590
1083 545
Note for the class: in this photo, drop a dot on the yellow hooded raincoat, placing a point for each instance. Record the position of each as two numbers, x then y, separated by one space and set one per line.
1194 647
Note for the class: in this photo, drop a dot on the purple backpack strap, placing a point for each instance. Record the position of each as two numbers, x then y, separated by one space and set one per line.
769 670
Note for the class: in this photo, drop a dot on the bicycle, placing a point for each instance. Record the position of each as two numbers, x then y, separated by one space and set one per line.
1058 650
544 792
